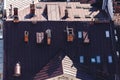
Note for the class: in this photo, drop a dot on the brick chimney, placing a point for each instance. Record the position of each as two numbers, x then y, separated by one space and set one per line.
10 11
66 13
16 19
16 11
32 9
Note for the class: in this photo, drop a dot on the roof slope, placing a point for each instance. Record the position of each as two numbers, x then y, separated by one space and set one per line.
59 65
52 69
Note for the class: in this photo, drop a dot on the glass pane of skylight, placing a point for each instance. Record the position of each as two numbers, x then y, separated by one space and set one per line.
98 59
109 59
79 34
93 60
107 33
81 59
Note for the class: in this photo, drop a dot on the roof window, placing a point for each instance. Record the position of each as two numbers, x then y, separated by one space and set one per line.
107 33
79 34
93 60
98 60
110 59
81 59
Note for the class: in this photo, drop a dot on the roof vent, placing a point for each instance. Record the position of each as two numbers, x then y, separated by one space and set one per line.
68 6
38 6
78 7
76 16
87 16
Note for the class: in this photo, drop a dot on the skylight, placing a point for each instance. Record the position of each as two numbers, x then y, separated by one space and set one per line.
107 34
110 59
79 34
81 59
93 60
98 59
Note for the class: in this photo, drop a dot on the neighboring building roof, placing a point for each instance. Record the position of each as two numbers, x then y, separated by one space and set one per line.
56 11
21 4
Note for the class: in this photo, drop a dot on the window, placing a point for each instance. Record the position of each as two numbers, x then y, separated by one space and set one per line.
93 60
79 34
81 59
110 59
98 59
107 34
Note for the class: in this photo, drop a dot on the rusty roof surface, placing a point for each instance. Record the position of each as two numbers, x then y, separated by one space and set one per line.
56 11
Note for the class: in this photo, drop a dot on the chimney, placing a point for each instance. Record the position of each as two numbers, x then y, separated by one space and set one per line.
4 14
32 9
16 19
10 11
66 13
16 11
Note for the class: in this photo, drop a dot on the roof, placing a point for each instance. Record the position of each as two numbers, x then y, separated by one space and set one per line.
56 11
33 57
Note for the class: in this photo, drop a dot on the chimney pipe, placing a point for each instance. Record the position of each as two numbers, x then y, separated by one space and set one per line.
66 13
16 19
32 9
10 11
16 11
4 14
